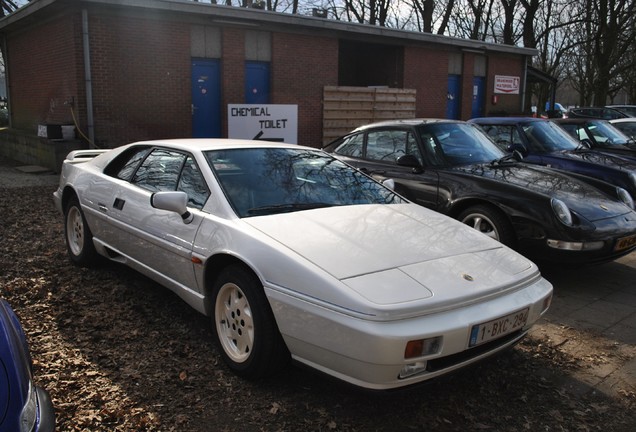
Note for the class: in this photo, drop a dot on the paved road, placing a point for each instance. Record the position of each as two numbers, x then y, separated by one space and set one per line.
592 317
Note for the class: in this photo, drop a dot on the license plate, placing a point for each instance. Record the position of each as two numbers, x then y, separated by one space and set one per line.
625 242
484 332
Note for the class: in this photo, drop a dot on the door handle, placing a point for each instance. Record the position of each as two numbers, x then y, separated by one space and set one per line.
102 207
119 203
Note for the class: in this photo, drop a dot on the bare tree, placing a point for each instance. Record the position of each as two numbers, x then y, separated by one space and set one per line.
602 60
472 19
427 12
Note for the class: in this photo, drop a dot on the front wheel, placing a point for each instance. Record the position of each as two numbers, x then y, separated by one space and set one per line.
489 221
244 326
79 239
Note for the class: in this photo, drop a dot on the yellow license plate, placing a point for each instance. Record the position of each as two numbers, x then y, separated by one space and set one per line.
625 242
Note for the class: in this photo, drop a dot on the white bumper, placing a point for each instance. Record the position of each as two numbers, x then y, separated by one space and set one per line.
370 354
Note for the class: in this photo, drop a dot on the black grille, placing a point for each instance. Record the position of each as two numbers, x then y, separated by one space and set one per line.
451 360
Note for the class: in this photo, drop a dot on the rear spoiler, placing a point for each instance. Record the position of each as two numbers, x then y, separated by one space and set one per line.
77 156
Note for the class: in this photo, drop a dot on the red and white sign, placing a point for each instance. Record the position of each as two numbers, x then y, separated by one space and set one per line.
507 84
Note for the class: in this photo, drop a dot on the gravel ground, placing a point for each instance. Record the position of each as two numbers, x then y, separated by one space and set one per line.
119 353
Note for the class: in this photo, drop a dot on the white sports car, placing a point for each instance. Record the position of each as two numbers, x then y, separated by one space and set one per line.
294 254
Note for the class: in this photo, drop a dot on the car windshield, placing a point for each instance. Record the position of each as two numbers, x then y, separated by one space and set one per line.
546 136
454 144
261 181
605 133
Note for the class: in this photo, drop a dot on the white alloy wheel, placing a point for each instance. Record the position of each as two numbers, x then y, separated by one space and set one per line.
79 239
244 326
234 322
75 231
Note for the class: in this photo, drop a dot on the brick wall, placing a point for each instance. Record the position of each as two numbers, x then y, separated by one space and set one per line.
141 70
499 64
45 70
233 71
468 70
301 67
426 70
141 79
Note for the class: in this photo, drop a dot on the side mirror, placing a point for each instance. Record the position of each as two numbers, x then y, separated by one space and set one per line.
390 183
586 142
174 201
408 160
517 149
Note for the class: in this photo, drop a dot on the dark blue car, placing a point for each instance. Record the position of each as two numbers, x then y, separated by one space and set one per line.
542 142
24 407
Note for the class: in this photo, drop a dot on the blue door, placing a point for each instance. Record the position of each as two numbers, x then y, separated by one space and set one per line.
206 99
453 102
479 93
257 83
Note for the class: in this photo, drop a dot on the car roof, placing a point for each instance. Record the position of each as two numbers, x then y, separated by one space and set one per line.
623 120
405 122
577 120
506 120
204 144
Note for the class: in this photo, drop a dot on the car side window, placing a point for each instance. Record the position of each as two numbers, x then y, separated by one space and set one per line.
386 145
351 146
503 135
627 129
432 150
412 147
124 165
159 171
193 183
582 134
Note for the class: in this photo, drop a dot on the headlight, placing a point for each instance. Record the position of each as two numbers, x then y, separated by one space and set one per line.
624 196
562 211
29 413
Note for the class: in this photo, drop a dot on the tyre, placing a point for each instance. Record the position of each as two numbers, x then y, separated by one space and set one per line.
244 327
79 239
489 221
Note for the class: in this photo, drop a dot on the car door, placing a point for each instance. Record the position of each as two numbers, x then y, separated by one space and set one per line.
158 239
376 152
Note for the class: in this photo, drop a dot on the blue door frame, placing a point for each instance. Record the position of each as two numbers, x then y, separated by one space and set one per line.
453 100
206 98
479 93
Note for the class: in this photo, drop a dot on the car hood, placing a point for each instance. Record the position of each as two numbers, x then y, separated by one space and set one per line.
595 157
373 250
587 201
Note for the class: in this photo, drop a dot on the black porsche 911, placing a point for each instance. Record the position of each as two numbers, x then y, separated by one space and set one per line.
453 167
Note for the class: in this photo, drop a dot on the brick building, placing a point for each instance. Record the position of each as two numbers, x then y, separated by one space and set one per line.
126 70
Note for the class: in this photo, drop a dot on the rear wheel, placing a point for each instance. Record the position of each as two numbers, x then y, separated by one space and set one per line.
489 221
244 326
79 239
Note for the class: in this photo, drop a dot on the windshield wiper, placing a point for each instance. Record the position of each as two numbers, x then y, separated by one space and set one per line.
286 208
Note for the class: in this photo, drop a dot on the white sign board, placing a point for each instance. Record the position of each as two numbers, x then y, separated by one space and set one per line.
507 84
263 122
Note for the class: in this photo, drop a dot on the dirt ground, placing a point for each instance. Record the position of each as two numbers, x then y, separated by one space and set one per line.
119 353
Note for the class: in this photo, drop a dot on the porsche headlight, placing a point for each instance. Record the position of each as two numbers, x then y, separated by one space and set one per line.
562 211
632 178
624 196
